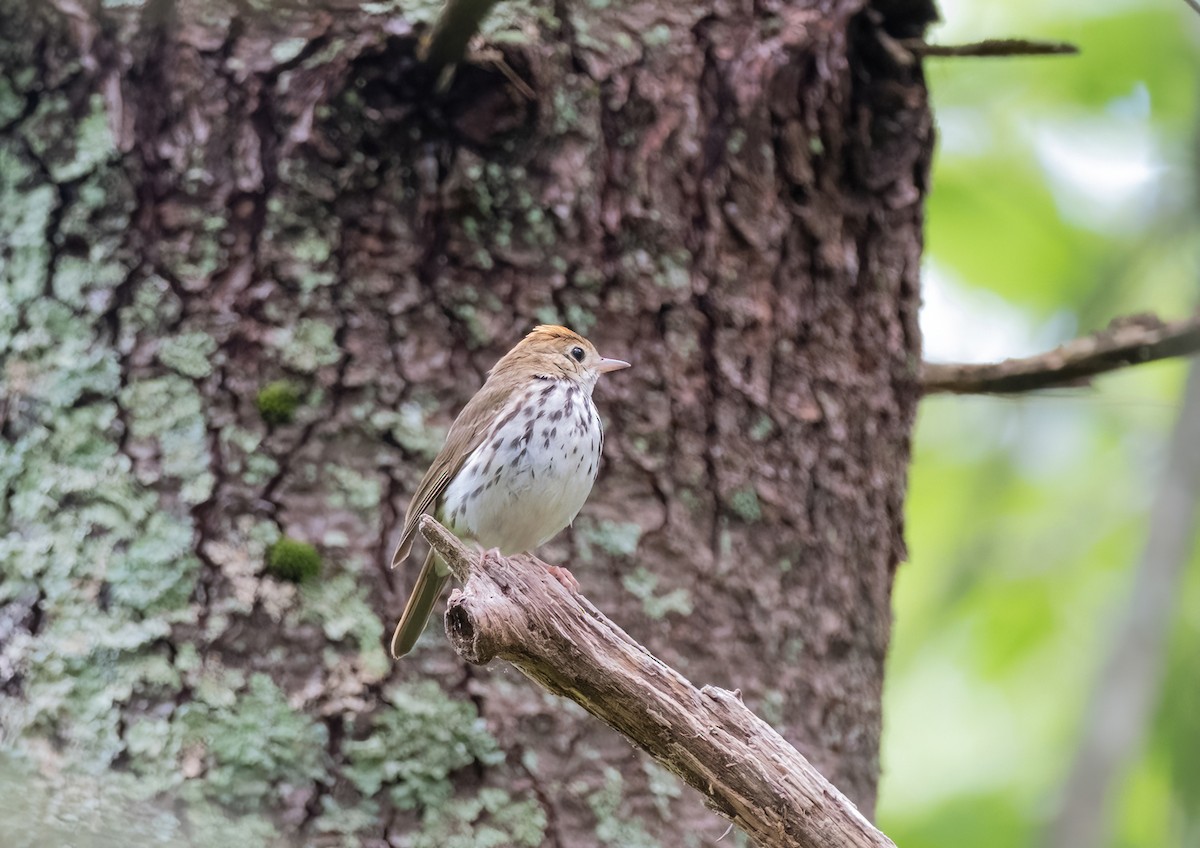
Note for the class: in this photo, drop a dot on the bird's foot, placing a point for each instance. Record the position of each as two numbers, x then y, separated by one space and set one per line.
490 555
565 577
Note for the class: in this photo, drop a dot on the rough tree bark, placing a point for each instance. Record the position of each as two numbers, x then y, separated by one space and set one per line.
200 199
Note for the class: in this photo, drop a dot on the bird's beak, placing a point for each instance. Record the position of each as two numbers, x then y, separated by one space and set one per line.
607 365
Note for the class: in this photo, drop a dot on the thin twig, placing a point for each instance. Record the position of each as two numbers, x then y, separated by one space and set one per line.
991 47
1126 341
458 23
1195 4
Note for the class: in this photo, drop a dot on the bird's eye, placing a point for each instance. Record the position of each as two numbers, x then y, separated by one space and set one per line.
577 353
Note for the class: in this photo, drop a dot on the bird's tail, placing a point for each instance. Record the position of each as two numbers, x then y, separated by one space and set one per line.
420 603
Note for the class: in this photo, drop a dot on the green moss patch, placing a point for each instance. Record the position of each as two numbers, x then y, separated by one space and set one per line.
291 559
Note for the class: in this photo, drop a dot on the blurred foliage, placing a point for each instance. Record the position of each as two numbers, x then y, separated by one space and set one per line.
1064 195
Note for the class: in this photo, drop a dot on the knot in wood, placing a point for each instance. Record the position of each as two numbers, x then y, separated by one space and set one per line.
465 634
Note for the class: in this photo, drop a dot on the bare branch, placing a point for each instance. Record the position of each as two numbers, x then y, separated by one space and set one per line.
1126 341
513 609
991 47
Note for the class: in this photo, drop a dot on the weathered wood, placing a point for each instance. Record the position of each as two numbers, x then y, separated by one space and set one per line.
513 609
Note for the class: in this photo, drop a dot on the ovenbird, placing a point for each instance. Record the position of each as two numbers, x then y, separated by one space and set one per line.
518 463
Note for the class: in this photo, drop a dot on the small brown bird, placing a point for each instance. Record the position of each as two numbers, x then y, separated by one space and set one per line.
518 463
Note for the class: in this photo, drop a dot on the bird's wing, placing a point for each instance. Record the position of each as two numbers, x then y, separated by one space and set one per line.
466 434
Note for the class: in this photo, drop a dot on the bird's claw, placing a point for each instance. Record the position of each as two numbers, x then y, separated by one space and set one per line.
565 577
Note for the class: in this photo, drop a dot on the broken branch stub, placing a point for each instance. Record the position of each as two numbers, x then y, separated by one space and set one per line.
513 609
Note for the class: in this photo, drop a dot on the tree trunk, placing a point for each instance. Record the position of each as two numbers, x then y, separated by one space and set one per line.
255 259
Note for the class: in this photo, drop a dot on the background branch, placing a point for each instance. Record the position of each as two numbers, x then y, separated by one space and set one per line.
1126 341
513 609
991 47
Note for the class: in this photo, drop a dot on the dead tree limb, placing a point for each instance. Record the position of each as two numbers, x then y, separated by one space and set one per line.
1126 341
513 609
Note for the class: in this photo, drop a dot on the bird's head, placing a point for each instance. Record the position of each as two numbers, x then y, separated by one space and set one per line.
557 353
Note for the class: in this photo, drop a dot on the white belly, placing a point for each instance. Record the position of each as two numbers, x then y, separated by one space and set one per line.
530 476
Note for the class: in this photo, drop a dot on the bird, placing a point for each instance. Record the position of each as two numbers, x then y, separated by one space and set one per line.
518 463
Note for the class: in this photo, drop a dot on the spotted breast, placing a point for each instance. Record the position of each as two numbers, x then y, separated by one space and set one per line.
531 474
